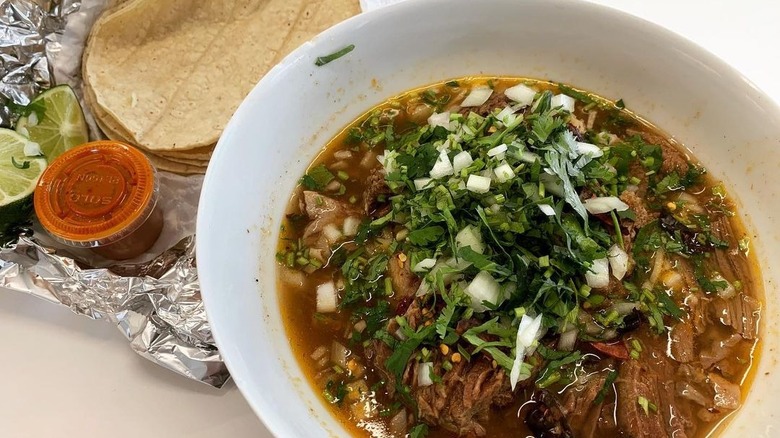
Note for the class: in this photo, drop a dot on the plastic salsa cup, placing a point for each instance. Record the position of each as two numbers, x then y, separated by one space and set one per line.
103 196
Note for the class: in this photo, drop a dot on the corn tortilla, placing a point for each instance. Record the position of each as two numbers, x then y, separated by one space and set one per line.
170 74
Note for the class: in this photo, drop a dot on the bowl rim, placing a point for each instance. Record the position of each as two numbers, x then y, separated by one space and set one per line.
259 403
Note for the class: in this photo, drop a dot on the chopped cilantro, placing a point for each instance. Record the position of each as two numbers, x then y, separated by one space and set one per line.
397 361
334 392
602 394
22 165
419 431
317 178
322 60
424 236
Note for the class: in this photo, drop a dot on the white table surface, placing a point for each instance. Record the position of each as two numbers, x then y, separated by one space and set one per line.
65 375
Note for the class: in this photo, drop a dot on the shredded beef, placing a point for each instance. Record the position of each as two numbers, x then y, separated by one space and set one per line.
405 282
741 313
462 402
638 381
580 406
643 214
545 418
674 160
681 342
323 211
375 197
495 101
654 383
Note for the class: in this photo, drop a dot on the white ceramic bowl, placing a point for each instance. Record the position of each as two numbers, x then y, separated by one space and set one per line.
285 121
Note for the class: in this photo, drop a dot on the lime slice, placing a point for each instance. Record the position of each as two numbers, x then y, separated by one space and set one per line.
18 177
56 122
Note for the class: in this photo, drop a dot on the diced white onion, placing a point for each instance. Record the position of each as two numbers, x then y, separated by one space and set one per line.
442 167
521 94
658 266
360 326
529 157
343 155
440 119
423 183
506 115
471 237
691 203
495 208
528 332
623 308
424 265
339 354
597 276
293 277
351 225
477 97
727 292
319 352
444 147
22 130
327 298
564 101
591 119
332 233
547 209
32 119
478 184
604 204
32 149
504 172
618 261
567 340
500 149
672 279
423 290
589 149
461 161
388 160
483 288
424 374
333 186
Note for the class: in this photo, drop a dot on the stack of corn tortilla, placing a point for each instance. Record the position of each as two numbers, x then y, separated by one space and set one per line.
166 76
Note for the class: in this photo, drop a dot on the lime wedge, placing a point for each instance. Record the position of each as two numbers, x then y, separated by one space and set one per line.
18 173
56 122
18 177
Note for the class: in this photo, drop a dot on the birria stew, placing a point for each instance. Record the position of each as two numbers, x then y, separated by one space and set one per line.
515 257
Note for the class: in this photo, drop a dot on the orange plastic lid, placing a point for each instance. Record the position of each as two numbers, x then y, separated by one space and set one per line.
96 193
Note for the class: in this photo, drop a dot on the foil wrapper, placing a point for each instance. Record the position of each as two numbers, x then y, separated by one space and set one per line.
159 312
154 300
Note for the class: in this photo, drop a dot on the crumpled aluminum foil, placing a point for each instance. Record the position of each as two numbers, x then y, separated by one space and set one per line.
160 313
156 304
